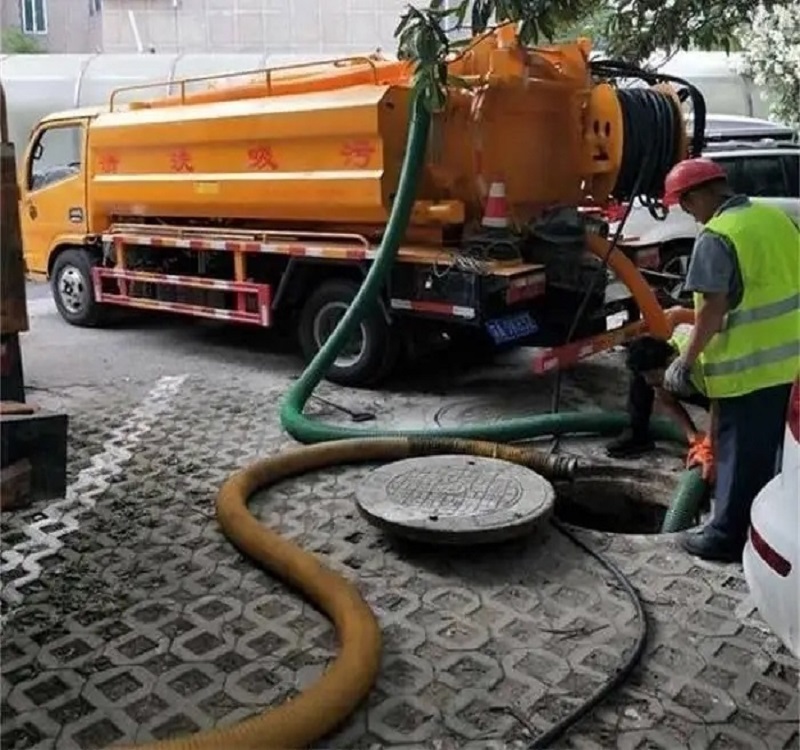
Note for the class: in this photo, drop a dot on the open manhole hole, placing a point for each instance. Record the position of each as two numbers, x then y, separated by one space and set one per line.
629 502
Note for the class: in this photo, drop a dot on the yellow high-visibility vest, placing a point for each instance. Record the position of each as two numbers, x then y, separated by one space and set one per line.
759 345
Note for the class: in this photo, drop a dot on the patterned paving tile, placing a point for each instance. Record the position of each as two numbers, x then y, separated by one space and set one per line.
144 622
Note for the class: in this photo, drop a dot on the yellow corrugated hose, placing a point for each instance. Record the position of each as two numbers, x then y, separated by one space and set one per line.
321 708
317 711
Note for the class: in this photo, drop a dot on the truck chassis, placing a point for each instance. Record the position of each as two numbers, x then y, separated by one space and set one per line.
260 278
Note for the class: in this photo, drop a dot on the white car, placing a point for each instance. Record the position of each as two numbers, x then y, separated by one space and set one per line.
767 171
771 556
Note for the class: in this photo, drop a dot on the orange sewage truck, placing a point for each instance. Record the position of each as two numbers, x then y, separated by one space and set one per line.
264 202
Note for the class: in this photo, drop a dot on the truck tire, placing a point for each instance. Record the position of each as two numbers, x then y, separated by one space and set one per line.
372 352
71 284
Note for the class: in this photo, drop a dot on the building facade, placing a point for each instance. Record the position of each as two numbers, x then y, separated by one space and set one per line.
268 26
56 25
271 27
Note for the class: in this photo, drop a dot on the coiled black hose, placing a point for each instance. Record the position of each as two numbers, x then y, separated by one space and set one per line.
652 132
651 128
616 69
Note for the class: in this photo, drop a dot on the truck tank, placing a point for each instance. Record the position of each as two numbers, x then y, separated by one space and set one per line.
332 154
302 77
38 85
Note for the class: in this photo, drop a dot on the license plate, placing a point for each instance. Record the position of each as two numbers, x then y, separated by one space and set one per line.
511 327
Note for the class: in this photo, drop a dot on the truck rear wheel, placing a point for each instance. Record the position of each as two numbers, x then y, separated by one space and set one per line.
71 284
372 351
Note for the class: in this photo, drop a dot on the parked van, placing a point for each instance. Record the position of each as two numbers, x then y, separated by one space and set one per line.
726 91
717 76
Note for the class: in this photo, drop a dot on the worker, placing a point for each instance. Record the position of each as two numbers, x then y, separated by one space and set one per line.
744 273
647 361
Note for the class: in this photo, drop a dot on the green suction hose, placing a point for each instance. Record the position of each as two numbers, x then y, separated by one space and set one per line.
683 508
685 505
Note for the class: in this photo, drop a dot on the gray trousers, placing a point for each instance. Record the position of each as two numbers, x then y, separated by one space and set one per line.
749 440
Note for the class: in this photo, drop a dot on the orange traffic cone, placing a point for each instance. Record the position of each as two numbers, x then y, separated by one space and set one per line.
496 214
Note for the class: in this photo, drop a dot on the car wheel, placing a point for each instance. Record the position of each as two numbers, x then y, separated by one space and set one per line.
675 261
73 293
370 354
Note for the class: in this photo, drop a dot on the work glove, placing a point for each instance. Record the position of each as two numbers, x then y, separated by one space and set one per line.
676 378
701 454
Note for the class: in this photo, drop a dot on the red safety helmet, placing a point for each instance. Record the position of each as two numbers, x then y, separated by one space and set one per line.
689 174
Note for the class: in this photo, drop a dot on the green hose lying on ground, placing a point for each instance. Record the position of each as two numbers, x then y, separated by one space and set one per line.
685 503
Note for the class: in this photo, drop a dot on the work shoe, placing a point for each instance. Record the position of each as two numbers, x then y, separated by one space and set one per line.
629 445
709 546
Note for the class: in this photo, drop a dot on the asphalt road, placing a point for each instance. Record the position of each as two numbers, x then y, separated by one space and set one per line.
67 363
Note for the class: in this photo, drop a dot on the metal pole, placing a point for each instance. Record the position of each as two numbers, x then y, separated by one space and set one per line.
175 8
135 29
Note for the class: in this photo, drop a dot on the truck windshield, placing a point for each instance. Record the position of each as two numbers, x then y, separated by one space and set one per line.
56 156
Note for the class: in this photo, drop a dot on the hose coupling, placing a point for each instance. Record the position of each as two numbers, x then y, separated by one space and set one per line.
551 467
562 467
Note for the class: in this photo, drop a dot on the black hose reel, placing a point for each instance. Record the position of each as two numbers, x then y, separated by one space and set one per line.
652 132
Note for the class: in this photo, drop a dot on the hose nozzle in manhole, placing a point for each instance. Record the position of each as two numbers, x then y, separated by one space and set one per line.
455 499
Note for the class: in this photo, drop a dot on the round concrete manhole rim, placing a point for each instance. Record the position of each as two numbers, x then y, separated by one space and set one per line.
455 499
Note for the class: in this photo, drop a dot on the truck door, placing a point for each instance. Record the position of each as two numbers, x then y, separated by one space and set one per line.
53 191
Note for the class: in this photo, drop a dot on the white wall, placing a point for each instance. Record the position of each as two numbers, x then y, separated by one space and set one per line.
271 26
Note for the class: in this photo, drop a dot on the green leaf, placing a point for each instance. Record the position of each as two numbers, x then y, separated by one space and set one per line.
16 43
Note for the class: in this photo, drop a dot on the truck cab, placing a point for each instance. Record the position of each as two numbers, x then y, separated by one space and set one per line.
53 184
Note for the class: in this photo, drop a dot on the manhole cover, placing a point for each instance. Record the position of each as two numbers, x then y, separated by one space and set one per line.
455 499
483 410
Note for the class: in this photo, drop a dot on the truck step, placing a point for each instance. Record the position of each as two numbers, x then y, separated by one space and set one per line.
124 296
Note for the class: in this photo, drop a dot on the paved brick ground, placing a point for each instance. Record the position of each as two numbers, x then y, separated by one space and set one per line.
128 616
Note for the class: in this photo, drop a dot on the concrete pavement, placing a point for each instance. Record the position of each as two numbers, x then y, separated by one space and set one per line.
128 616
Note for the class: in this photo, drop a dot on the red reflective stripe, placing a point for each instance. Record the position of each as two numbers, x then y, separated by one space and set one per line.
775 561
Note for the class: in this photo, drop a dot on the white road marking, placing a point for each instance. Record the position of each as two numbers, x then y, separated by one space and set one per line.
41 306
90 483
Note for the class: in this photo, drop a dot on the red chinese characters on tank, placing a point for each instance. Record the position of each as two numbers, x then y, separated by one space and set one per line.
358 153
261 158
108 163
180 160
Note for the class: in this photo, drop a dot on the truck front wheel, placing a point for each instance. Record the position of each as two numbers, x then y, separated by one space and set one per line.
71 283
372 349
